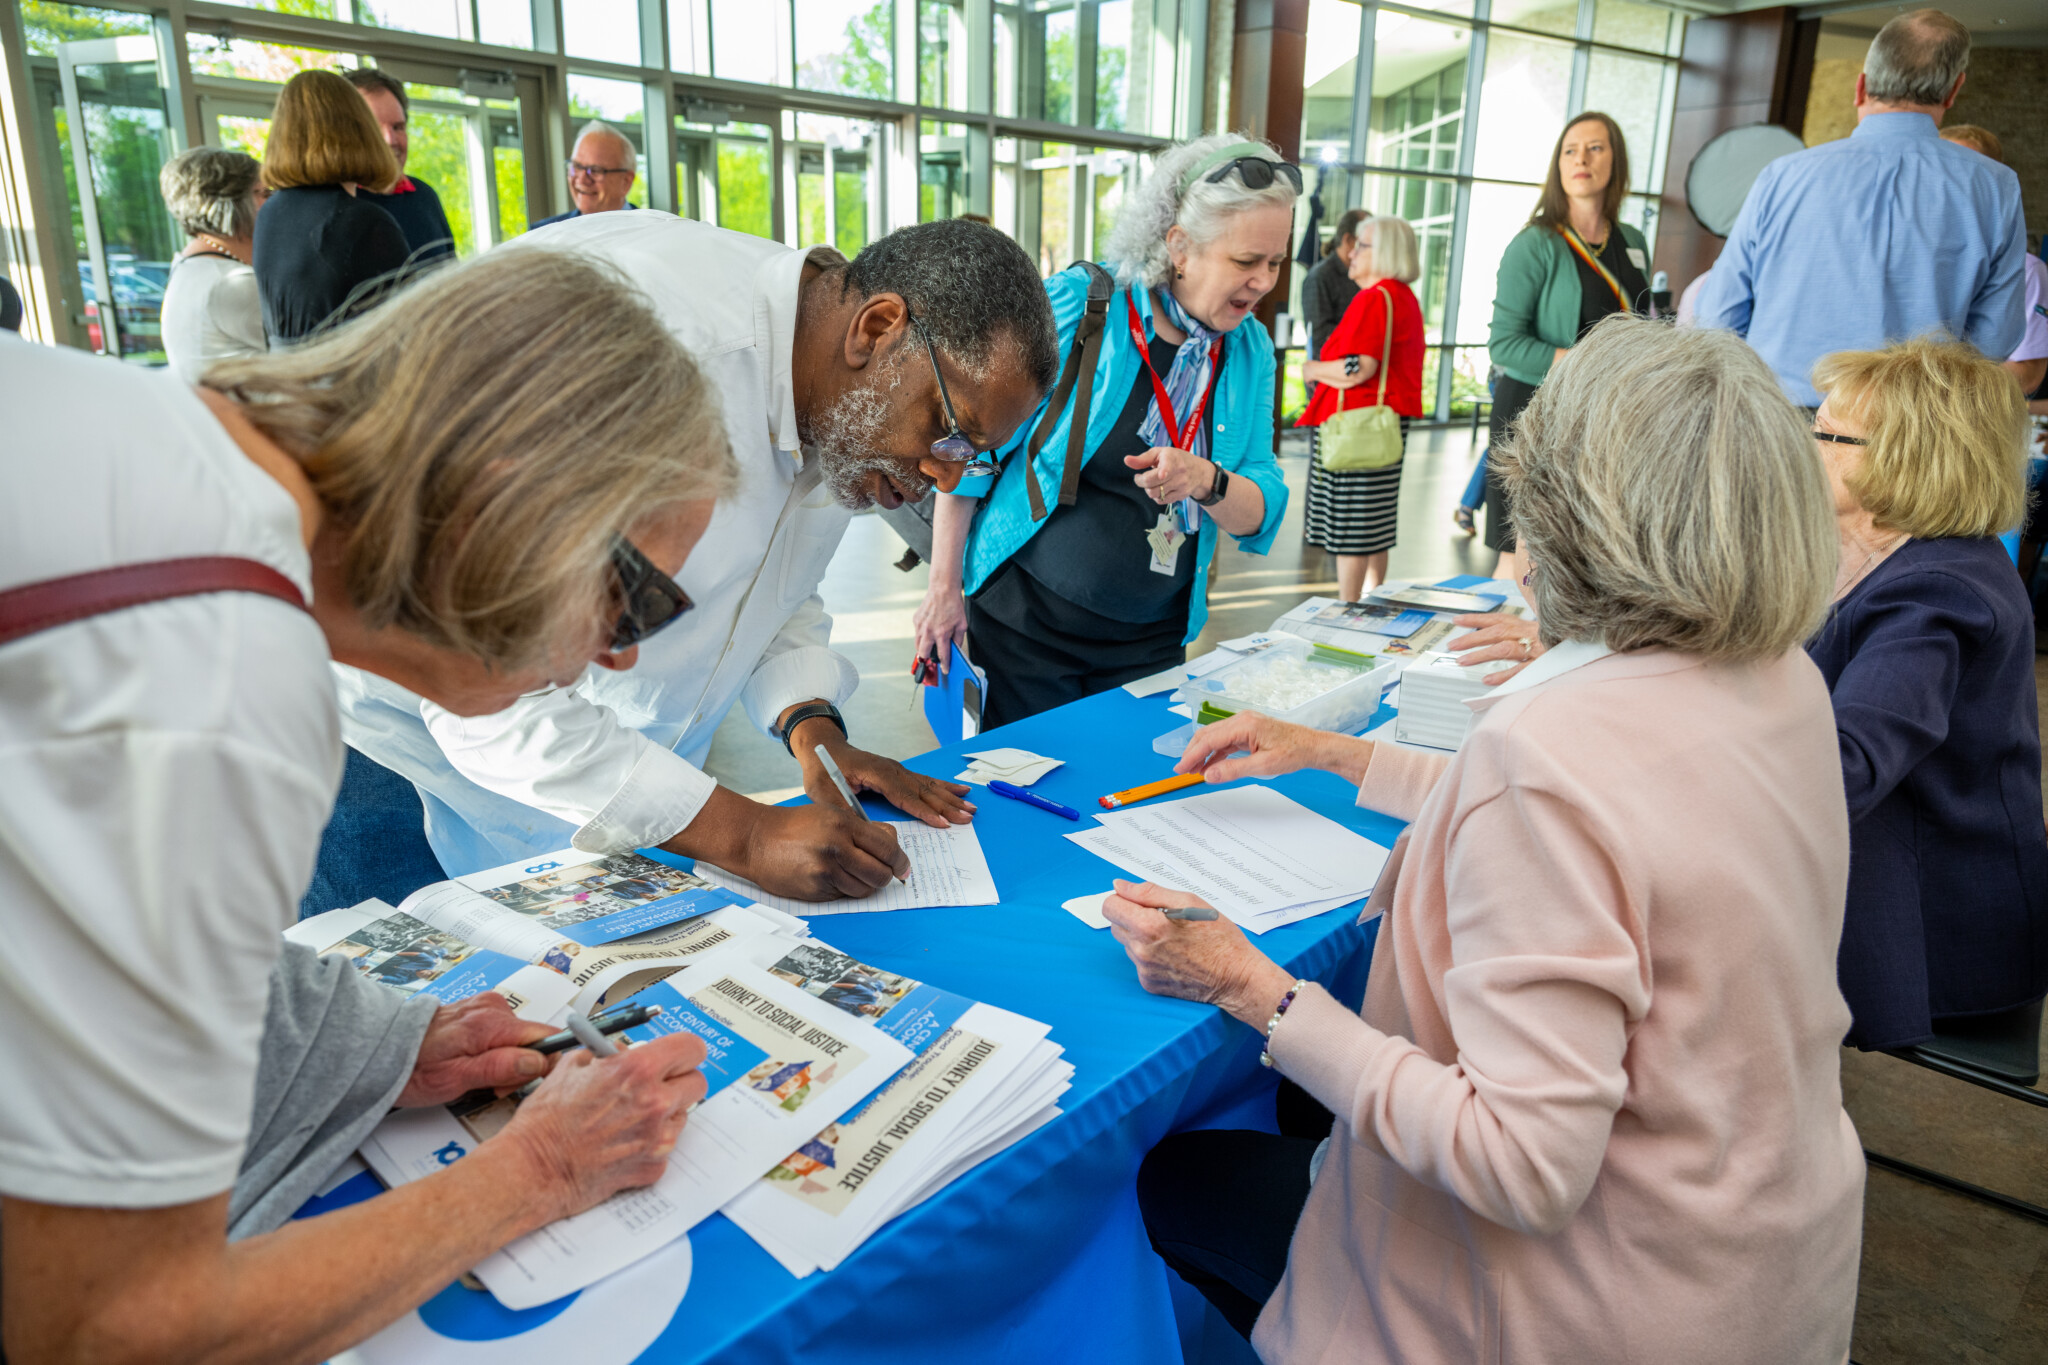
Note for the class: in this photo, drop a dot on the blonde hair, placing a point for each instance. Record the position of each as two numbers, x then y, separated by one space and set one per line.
1947 434
323 134
1670 496
1394 253
481 438
1977 138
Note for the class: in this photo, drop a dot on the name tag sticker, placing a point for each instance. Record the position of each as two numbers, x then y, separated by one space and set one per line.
1637 259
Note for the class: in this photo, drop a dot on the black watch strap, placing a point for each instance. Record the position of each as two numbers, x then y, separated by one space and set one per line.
806 712
1217 489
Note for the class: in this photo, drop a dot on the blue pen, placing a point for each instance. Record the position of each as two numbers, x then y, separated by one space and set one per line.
1019 794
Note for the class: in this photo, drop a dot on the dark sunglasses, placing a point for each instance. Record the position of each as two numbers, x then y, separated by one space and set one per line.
650 598
1838 438
953 447
1257 172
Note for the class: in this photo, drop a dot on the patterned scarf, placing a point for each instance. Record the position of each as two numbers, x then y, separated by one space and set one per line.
1186 382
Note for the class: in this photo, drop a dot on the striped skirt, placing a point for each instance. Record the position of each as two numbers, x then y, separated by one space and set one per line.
1352 513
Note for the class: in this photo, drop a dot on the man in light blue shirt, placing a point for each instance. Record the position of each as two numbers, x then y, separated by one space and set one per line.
1884 235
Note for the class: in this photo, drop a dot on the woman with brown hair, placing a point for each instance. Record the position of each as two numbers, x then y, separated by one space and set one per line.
318 245
1574 264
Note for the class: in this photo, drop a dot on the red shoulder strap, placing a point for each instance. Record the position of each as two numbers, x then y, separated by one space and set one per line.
36 607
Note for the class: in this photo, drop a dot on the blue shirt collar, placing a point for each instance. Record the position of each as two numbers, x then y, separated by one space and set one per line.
1897 123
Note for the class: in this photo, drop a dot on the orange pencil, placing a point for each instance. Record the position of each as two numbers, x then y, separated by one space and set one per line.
1149 790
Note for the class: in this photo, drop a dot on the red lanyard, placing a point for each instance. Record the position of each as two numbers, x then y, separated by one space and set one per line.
1177 436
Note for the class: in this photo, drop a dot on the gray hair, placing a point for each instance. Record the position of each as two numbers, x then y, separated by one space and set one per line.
1916 58
1394 252
211 189
970 287
1137 244
1670 496
599 126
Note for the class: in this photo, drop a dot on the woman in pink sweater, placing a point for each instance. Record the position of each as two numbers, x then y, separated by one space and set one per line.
1591 1108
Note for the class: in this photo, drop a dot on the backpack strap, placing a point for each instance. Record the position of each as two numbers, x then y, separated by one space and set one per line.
1080 367
35 607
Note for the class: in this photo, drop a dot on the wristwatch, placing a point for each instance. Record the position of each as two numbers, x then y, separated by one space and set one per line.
1217 489
806 712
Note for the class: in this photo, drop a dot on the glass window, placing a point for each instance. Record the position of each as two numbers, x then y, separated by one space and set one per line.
1628 24
602 30
1498 213
1329 79
1418 95
1545 16
942 54
1048 182
442 18
745 42
846 46
1113 64
1110 173
505 23
1522 100
454 139
727 172
253 61
1047 57
1631 92
836 182
942 172
1007 27
308 9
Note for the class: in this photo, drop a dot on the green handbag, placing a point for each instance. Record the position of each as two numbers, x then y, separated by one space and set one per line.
1364 438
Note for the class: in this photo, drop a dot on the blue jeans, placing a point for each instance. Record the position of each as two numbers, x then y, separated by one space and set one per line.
375 843
1475 487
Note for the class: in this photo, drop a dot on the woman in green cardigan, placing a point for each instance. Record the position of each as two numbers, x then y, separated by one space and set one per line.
1572 266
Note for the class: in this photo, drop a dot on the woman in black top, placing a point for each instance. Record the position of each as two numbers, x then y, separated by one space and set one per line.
320 248
1327 290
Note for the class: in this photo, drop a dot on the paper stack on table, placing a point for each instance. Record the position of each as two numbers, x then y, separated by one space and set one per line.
1258 857
1018 767
780 1060
1433 696
946 868
983 1078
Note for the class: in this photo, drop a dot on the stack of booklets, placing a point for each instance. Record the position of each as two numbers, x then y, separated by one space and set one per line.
839 1094
1433 696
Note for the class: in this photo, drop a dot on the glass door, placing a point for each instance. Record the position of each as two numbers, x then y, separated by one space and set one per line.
726 161
838 186
118 128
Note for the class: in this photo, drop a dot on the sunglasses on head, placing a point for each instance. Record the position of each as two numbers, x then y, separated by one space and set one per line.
650 599
1257 172
1838 438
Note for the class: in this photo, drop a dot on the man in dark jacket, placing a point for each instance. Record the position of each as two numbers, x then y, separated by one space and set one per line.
1327 289
412 201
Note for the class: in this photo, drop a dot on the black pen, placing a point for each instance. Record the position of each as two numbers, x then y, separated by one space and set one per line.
613 1021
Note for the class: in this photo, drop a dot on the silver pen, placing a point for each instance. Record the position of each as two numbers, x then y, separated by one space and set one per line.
1200 912
587 1034
845 788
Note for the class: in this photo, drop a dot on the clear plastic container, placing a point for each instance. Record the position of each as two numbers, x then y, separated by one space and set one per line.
1296 681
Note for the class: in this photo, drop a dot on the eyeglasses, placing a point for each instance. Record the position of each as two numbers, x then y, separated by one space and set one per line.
1257 172
651 598
1838 438
953 447
579 171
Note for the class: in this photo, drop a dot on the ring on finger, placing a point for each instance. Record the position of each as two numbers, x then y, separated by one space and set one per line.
1525 646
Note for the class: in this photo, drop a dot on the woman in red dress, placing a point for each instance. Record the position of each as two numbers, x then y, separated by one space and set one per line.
1353 514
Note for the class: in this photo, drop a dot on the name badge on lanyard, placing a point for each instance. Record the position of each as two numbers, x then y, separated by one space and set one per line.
1165 539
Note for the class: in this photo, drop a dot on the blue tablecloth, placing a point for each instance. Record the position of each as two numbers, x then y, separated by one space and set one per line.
1038 1253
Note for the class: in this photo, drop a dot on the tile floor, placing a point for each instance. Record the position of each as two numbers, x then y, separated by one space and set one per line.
1944 1279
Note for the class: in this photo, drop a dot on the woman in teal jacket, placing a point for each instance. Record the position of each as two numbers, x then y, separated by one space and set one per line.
1111 586
1574 264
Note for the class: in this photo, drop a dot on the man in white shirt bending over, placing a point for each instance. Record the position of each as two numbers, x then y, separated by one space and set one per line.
844 386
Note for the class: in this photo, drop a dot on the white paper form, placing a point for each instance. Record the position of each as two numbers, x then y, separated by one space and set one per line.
946 868
1249 851
802 1059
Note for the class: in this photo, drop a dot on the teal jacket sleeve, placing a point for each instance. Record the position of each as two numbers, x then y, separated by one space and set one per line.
1068 293
1258 464
1512 341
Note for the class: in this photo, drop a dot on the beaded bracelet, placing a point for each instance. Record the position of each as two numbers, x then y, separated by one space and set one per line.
1265 1053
